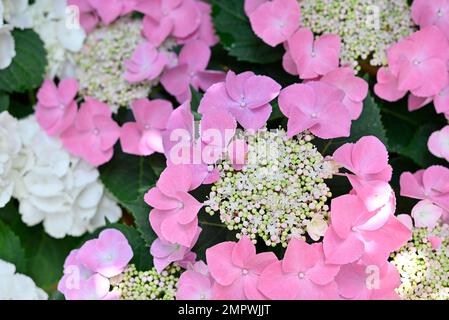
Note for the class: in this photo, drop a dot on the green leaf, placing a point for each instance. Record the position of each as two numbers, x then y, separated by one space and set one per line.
237 37
369 123
11 249
128 178
408 132
27 69
4 102
45 255
195 102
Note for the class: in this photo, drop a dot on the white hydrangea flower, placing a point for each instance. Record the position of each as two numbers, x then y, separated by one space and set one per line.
59 190
7 47
9 149
16 286
60 39
16 13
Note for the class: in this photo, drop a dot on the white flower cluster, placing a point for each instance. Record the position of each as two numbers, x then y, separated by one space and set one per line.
278 194
55 188
16 286
9 149
15 14
367 27
424 269
100 67
61 38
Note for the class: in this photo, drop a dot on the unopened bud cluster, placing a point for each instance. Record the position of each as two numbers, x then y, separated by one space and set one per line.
367 27
279 193
147 285
424 270
100 66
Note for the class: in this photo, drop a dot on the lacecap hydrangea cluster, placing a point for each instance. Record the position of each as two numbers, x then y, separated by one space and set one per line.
367 28
278 194
423 264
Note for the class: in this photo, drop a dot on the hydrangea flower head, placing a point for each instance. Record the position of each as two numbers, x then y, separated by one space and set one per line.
94 133
179 18
301 274
314 57
236 267
315 106
246 96
56 108
275 21
174 217
100 63
144 136
366 27
427 13
439 143
191 70
10 145
423 266
108 255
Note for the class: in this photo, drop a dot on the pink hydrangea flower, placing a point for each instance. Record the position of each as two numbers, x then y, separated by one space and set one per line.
195 283
355 89
367 159
353 282
426 214
164 252
316 106
246 96
110 10
94 133
179 18
191 70
431 184
275 21
144 136
355 230
236 268
435 242
419 62
301 275
87 270
250 6
146 63
438 143
441 101
56 106
205 31
88 15
314 58
174 214
108 255
387 86
426 13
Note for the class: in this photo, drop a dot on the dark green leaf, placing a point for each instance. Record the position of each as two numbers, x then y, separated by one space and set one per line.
236 35
11 249
4 102
27 69
128 178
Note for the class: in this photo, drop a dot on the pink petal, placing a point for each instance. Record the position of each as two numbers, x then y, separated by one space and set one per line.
221 267
341 251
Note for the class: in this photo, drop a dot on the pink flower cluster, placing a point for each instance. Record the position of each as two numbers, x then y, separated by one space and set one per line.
431 186
90 132
363 233
419 64
88 269
363 230
186 22
332 96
